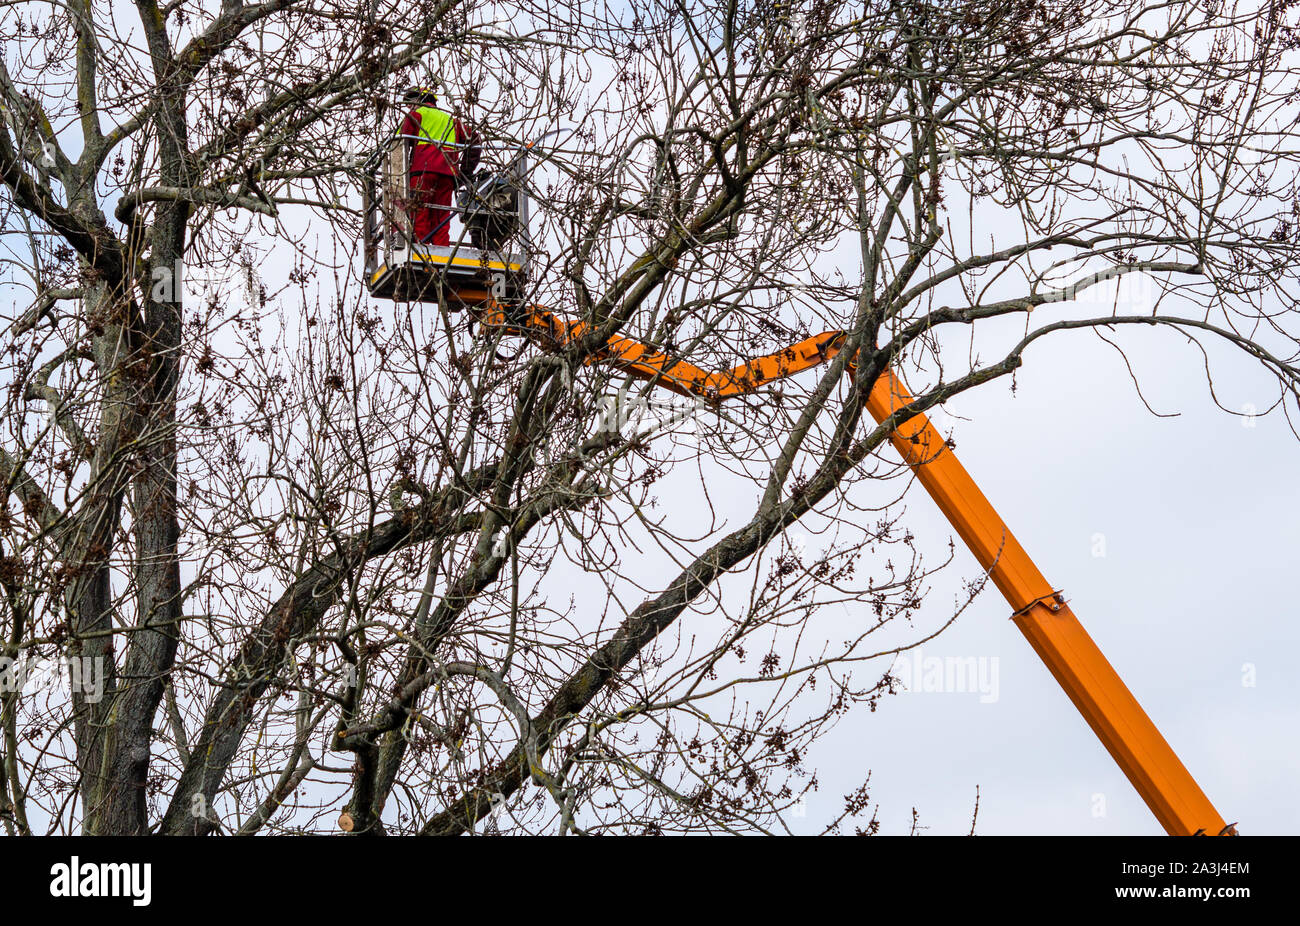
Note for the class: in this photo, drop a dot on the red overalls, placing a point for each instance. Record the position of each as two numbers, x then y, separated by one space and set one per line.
433 180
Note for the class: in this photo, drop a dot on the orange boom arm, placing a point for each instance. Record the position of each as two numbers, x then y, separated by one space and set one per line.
1038 610
1051 627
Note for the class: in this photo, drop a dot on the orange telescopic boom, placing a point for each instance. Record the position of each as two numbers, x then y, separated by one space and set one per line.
1053 631
1040 611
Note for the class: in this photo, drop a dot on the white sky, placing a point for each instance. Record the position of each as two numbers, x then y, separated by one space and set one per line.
1201 522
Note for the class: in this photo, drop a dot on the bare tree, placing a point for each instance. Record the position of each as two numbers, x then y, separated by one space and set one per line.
349 562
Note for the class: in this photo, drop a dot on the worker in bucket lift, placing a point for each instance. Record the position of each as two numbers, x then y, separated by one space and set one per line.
440 149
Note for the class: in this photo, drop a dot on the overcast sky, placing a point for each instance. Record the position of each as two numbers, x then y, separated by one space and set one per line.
1198 517
1201 524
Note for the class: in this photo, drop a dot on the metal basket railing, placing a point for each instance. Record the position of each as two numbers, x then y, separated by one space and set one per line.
388 229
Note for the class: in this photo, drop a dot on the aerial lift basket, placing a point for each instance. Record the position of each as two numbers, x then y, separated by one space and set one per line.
488 256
